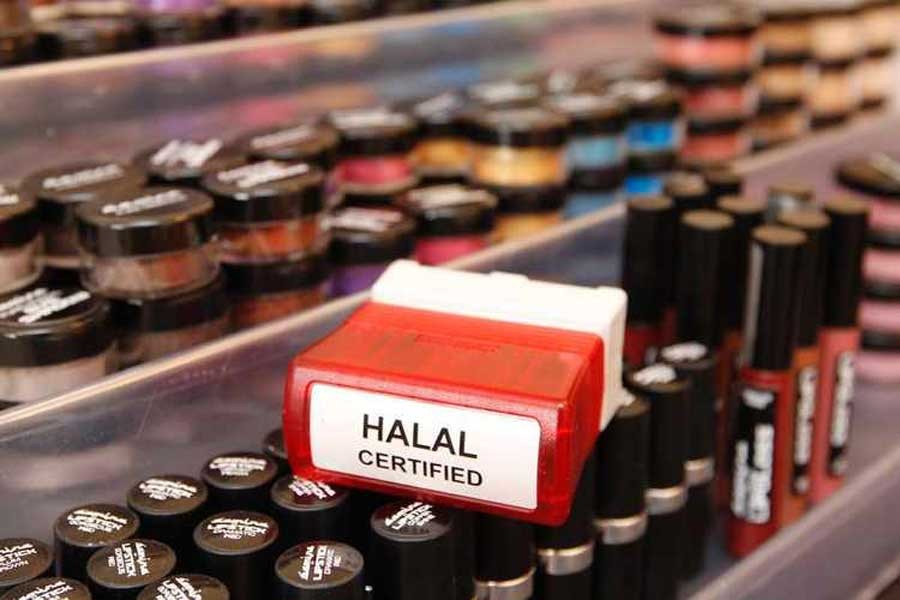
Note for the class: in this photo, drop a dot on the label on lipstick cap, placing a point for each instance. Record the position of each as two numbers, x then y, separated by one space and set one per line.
458 451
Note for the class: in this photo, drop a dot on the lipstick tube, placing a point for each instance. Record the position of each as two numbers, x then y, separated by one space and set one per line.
667 394
763 426
747 214
504 559
805 371
722 182
565 554
620 519
786 197
688 191
694 362
646 273
838 342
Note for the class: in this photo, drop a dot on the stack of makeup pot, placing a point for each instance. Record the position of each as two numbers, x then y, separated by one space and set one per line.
711 53
876 179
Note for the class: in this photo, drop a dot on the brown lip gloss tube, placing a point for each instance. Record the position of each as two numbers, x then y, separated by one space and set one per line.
839 343
805 370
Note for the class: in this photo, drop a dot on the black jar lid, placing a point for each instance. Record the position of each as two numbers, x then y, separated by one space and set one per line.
880 341
321 570
198 306
779 106
708 19
370 235
236 532
875 175
49 588
591 113
128 567
519 127
256 279
18 218
648 100
798 58
704 79
167 495
374 132
22 560
266 191
59 189
50 325
716 126
441 115
96 525
152 221
451 210
307 141
658 162
186 587
185 161
882 290
302 495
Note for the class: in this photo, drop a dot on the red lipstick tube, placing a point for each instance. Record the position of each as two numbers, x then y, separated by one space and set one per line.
762 432
805 371
839 343
649 232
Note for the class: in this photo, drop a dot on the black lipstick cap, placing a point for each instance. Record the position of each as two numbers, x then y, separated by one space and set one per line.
703 239
121 571
843 284
169 506
723 182
688 191
49 587
186 587
813 266
621 459
696 363
80 532
310 510
772 290
320 570
22 560
412 552
273 447
504 549
239 481
237 548
747 214
667 394
647 269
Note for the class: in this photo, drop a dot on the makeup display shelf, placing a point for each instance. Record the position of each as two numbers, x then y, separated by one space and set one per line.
170 415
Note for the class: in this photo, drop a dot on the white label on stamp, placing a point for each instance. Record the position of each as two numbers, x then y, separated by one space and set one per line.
464 452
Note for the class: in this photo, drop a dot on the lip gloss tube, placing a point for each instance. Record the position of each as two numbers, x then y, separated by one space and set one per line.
763 427
747 214
805 370
646 273
839 342
667 394
696 363
620 518
565 554
786 197
504 559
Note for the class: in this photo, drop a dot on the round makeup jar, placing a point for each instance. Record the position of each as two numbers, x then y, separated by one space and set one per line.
879 358
527 211
787 78
20 240
708 37
518 148
149 244
837 33
307 141
880 23
185 162
60 189
597 148
876 179
268 211
263 292
151 329
364 241
786 30
654 116
453 221
53 340
442 153
716 95
779 122
716 142
836 94
647 173
877 78
374 151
